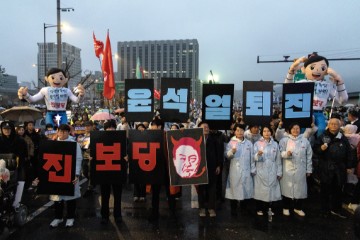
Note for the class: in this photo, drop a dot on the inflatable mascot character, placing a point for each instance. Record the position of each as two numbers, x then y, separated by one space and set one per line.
56 96
315 68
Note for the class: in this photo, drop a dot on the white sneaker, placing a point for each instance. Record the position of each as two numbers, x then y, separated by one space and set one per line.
299 212
69 222
56 222
212 213
353 206
202 212
286 212
136 199
260 213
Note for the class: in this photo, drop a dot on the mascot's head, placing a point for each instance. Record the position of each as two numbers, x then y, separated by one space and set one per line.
56 77
315 68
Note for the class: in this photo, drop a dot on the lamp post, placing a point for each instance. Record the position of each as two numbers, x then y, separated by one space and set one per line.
45 53
58 32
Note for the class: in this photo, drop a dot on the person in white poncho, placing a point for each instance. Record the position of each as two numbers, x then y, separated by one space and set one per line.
268 171
59 200
296 154
240 185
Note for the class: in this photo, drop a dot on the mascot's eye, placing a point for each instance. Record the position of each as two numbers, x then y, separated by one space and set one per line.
312 68
52 78
61 78
323 68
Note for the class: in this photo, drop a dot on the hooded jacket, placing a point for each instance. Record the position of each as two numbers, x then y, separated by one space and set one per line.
15 145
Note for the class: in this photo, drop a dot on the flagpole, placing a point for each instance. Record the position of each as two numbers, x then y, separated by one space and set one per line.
99 50
332 104
102 74
108 101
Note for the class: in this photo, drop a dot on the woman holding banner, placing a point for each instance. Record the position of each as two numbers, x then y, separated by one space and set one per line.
268 172
296 154
240 185
63 134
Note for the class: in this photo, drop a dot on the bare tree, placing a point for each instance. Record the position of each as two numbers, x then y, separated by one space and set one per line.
2 70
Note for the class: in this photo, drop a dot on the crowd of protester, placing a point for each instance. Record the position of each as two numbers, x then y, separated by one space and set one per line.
245 162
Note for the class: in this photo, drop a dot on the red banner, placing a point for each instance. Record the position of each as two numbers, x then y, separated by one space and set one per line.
108 71
99 46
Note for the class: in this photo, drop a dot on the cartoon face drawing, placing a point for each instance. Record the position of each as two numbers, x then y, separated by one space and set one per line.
316 71
57 80
186 156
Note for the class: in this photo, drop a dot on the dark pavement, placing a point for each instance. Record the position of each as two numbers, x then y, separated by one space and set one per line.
187 224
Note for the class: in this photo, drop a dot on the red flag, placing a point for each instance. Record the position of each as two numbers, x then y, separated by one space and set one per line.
157 94
108 72
99 46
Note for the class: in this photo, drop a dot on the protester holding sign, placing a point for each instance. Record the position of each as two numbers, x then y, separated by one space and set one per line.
140 189
207 192
64 135
106 190
240 185
158 124
268 171
296 155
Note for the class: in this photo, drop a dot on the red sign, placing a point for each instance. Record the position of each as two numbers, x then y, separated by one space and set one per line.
147 161
108 154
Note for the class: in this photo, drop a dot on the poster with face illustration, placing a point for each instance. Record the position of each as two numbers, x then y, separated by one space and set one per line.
186 157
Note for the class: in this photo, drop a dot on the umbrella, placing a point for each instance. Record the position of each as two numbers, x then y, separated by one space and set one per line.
22 114
102 114
349 105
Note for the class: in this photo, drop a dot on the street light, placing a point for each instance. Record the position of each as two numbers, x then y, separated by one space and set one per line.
45 62
58 33
213 78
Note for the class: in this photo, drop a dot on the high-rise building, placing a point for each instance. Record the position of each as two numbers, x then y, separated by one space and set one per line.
70 55
25 84
8 89
163 58
8 83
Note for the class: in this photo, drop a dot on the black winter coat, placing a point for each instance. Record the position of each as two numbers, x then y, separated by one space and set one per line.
334 161
214 156
15 145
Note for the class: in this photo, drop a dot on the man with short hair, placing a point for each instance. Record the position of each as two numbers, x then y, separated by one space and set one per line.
207 192
84 141
353 118
106 190
158 124
335 161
